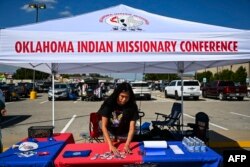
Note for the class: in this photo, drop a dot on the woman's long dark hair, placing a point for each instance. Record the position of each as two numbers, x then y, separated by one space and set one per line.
123 87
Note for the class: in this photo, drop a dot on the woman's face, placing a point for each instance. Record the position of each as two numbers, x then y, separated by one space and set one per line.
123 98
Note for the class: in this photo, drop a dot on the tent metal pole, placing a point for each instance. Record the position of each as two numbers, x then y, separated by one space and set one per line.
53 100
182 119
180 66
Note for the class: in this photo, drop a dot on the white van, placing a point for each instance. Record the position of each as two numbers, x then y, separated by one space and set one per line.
191 88
141 90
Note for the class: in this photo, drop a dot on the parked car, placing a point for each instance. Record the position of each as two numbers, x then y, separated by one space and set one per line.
162 86
73 88
157 86
191 88
141 89
9 92
61 91
45 86
39 86
248 91
91 90
2 97
25 88
224 89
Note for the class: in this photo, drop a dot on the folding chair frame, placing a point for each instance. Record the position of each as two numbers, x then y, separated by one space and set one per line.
95 131
171 122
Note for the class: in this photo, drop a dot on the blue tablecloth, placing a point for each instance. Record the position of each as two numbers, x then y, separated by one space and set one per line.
195 159
10 157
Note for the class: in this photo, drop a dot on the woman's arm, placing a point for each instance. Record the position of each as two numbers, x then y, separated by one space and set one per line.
107 139
130 136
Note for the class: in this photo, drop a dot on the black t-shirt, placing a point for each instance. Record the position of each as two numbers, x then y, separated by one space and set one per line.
119 117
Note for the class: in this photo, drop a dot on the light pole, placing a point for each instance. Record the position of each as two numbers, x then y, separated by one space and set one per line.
36 6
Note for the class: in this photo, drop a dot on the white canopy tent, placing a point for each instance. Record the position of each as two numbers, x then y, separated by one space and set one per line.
122 39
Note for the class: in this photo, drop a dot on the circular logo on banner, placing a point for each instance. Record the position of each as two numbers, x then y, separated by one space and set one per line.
125 22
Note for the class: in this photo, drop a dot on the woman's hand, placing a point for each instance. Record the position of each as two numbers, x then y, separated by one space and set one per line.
127 149
3 112
113 149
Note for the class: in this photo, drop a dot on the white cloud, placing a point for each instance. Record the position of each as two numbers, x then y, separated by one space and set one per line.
50 6
65 13
26 8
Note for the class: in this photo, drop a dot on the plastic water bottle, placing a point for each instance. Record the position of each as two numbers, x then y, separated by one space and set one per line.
197 146
191 145
184 141
203 147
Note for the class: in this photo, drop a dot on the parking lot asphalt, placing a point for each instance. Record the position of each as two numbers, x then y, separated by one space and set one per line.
229 120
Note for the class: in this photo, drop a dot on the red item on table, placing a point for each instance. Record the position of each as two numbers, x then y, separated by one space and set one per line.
98 148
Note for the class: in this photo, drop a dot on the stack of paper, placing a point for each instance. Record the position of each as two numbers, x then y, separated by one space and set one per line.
155 147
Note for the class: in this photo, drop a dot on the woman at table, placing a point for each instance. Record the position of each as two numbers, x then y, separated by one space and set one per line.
119 114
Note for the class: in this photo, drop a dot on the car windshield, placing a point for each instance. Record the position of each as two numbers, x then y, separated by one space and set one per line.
72 85
189 83
4 87
139 84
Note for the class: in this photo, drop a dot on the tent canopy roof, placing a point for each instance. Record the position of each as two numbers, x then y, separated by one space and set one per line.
102 20
122 39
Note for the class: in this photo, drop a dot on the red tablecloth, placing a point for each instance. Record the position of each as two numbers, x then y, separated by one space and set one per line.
99 148
67 137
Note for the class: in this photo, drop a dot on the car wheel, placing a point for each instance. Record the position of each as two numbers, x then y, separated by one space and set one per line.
176 96
221 96
149 97
240 98
166 94
204 94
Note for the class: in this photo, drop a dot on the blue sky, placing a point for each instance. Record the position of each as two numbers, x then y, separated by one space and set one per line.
228 13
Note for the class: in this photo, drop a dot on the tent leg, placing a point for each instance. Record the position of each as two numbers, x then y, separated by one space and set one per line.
182 119
53 100
180 66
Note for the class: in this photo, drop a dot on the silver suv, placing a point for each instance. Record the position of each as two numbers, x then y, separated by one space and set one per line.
141 89
191 88
62 91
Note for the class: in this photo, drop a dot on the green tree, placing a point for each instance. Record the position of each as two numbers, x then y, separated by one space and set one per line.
227 74
94 75
224 75
240 75
24 73
154 77
207 74
65 76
